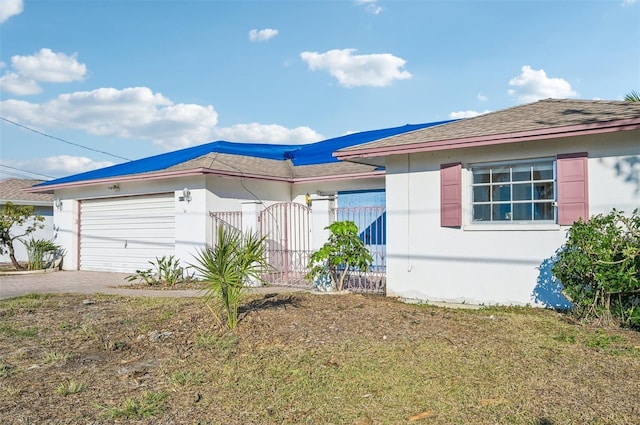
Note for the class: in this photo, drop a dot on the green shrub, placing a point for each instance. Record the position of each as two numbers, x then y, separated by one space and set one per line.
343 253
41 253
599 267
164 271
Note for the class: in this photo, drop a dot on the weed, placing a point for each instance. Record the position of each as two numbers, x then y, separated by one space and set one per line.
187 378
566 337
150 404
70 387
602 340
214 341
66 326
30 332
55 356
10 391
33 296
6 370
88 331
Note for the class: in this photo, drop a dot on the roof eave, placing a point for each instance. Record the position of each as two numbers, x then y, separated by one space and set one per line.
195 172
468 142
351 176
27 202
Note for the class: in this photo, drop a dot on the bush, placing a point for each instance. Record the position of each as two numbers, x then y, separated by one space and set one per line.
599 267
41 253
164 271
343 253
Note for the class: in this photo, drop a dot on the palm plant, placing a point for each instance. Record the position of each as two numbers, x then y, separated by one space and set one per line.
227 268
634 96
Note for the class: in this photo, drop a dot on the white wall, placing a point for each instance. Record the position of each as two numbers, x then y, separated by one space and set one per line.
47 232
490 266
193 224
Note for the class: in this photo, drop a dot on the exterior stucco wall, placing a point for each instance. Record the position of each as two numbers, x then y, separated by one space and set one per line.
487 264
47 232
193 224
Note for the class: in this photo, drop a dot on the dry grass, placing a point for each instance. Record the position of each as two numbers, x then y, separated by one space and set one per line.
349 359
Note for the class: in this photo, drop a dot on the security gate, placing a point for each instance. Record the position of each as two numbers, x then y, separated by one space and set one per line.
229 220
372 230
287 228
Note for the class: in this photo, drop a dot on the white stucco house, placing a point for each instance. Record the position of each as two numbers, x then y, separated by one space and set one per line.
121 217
13 190
476 208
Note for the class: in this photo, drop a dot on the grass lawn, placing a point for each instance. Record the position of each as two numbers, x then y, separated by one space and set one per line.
308 359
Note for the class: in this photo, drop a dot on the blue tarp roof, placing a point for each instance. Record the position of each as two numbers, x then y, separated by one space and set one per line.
304 154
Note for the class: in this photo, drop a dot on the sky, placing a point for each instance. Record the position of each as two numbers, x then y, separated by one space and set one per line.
86 84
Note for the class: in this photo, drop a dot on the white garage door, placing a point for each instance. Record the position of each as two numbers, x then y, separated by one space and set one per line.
124 234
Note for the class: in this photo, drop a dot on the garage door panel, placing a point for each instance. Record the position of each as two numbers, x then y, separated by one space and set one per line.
124 234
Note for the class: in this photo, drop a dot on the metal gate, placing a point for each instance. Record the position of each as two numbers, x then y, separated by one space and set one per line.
372 229
287 228
229 220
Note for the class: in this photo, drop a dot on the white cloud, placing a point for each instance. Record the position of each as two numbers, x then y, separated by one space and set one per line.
370 6
482 98
628 2
135 113
262 35
267 133
43 66
60 165
138 113
13 83
48 66
466 114
9 8
377 70
532 85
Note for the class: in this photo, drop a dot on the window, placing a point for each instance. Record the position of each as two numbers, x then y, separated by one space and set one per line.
514 192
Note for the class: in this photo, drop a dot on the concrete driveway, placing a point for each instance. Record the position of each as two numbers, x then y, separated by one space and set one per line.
83 282
76 282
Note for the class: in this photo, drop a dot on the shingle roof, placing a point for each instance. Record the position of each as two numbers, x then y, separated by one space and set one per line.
258 160
278 169
12 190
532 117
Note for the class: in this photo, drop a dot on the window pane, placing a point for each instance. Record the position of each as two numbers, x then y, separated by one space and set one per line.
522 192
521 173
543 191
501 174
481 193
481 175
501 192
522 211
482 213
543 171
502 212
543 211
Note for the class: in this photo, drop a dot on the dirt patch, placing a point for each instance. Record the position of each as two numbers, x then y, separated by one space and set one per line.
304 358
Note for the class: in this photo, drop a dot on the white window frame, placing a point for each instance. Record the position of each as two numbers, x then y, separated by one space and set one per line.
510 224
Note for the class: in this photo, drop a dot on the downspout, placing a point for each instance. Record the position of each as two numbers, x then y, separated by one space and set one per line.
409 265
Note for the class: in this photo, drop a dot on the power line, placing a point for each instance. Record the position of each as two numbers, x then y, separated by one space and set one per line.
62 140
27 171
9 173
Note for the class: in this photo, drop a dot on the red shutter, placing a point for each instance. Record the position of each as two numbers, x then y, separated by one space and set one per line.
451 195
573 190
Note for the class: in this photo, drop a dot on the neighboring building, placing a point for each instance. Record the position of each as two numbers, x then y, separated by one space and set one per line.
13 190
120 217
476 208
